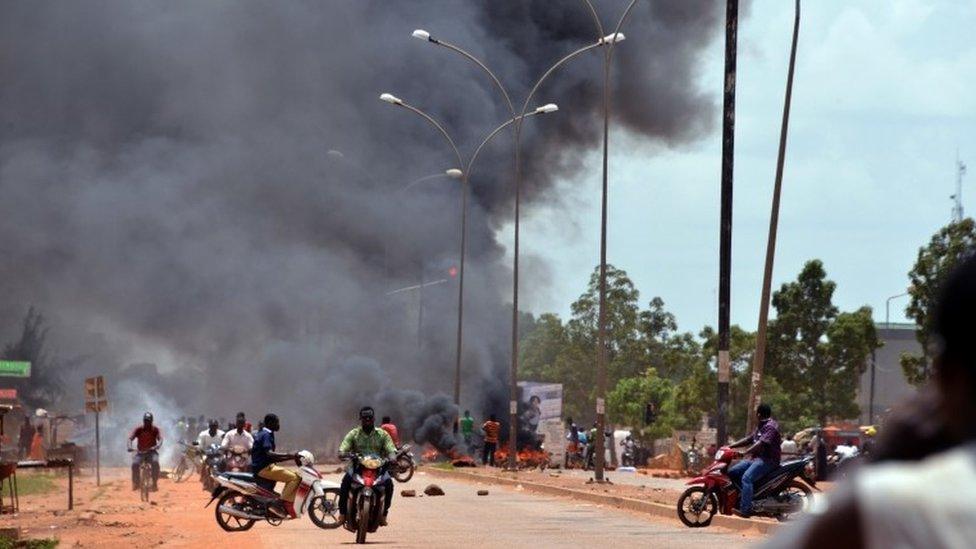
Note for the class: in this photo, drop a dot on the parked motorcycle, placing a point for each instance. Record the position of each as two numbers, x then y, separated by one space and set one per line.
366 495
778 494
238 459
213 464
403 464
629 456
243 499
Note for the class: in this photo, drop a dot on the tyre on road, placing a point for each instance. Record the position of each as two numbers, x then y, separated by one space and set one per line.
231 523
695 509
324 509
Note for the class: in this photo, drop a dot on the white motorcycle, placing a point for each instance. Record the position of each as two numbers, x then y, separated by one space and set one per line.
243 499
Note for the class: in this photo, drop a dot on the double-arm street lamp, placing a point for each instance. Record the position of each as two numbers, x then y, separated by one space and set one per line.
465 178
517 117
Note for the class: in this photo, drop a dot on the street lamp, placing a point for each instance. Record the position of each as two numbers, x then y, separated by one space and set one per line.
465 177
604 40
888 305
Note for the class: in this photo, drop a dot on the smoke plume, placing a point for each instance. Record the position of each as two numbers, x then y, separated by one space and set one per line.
168 195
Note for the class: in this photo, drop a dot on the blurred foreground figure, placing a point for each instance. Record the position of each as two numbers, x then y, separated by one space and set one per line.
917 491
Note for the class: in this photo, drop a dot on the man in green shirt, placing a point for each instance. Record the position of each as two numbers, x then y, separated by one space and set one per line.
467 429
366 440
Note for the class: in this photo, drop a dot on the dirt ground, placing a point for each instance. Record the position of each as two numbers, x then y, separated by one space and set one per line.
112 515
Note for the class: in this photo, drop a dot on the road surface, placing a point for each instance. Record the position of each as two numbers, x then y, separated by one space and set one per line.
506 518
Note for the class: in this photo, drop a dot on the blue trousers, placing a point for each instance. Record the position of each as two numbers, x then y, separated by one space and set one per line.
745 473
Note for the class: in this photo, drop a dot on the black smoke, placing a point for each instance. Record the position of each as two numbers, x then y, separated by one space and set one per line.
166 194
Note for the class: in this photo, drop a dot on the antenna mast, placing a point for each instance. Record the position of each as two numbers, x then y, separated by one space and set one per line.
957 212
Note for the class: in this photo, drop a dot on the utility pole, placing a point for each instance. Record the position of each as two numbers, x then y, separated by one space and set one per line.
756 384
957 211
725 223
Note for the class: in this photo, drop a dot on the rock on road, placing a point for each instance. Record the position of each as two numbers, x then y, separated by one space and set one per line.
505 518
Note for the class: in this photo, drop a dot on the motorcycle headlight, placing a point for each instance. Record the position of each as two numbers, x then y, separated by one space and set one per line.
718 455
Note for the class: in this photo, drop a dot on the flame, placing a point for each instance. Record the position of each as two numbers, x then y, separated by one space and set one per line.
526 457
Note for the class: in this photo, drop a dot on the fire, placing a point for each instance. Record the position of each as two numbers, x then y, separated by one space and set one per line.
525 458
456 458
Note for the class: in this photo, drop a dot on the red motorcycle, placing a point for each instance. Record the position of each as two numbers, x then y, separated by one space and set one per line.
778 494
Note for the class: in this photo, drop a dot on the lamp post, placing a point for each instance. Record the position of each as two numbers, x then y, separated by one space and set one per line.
464 175
873 356
517 132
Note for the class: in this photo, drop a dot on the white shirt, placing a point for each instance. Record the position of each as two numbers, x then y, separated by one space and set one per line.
788 447
204 440
232 439
921 504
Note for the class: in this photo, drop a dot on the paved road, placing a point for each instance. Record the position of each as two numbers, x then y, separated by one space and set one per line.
505 518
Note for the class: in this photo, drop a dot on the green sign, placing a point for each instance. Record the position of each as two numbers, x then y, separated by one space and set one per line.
14 368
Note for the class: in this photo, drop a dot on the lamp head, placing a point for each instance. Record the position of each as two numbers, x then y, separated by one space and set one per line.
547 108
421 34
454 173
335 154
613 38
390 98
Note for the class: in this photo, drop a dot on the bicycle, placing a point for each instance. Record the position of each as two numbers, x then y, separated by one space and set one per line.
187 464
145 474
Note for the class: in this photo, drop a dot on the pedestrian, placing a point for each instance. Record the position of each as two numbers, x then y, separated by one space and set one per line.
491 429
391 429
26 438
37 450
914 493
467 429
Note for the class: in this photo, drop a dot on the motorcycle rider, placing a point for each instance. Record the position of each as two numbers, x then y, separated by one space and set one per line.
362 440
263 462
764 445
391 429
239 437
148 439
212 435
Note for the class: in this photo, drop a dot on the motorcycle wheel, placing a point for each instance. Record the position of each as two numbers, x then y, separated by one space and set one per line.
363 513
403 471
796 487
324 509
693 510
228 522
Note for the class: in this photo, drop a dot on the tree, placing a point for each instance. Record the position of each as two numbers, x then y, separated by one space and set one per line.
948 247
817 354
626 402
44 385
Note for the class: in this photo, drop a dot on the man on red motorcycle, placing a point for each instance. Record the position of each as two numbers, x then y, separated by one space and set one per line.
366 439
764 446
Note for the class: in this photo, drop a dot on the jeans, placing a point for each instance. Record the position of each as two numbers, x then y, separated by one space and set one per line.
488 454
153 458
346 485
745 473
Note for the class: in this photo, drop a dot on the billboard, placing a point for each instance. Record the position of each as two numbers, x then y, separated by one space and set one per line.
540 402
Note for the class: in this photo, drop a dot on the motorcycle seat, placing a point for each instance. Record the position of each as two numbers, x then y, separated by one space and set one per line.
238 476
786 465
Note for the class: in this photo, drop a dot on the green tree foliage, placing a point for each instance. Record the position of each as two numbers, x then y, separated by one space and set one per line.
625 403
815 352
44 386
947 247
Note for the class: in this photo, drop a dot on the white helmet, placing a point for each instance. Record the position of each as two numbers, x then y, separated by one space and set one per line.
306 458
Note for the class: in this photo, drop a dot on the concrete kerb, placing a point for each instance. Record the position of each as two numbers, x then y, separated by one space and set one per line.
650 507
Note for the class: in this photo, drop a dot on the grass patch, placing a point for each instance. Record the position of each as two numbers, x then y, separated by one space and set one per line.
46 543
444 466
34 484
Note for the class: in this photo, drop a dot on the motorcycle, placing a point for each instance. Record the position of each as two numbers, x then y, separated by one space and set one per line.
778 494
238 459
403 464
629 456
243 499
366 495
213 464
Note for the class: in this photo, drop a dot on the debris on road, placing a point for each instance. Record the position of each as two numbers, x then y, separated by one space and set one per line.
482 492
408 493
433 490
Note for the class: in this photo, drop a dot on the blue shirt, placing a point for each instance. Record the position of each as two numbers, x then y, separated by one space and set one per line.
264 442
768 434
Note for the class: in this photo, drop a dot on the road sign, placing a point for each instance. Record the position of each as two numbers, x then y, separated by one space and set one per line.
99 406
8 394
95 401
95 388
15 368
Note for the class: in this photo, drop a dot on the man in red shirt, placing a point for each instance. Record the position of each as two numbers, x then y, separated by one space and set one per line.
390 428
148 440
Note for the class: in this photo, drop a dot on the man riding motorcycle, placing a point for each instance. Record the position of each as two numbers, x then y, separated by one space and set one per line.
363 440
213 435
263 463
238 437
149 439
764 445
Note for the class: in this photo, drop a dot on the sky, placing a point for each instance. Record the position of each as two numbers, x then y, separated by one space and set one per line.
882 101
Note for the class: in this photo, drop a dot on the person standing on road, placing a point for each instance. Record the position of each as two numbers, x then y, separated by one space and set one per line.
467 429
764 445
491 429
391 429
26 437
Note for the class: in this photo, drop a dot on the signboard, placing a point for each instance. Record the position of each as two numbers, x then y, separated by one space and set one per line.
541 401
95 388
15 368
8 394
99 406
554 440
95 401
